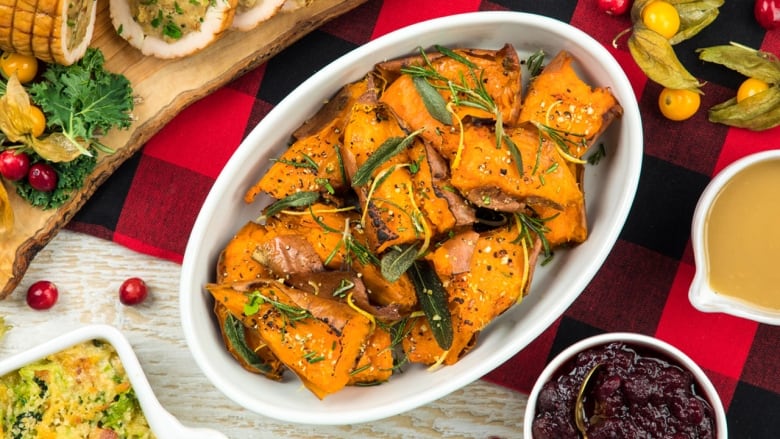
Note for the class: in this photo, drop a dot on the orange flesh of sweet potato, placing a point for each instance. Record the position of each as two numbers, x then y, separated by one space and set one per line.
434 207
309 164
499 275
337 108
322 353
236 263
254 342
489 176
558 98
391 210
325 241
376 362
501 74
567 226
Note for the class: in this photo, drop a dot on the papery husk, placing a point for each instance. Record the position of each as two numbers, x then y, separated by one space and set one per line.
6 212
655 56
757 113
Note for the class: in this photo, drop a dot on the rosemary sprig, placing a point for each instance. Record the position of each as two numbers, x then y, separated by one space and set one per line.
353 247
462 94
290 313
597 155
563 141
530 227
305 162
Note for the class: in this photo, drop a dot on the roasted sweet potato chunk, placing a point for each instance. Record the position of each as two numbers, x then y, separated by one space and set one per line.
320 340
558 98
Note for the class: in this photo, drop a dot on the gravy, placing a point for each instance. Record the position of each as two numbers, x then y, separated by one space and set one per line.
742 237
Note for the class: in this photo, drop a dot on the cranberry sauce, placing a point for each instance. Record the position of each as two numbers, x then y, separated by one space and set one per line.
633 394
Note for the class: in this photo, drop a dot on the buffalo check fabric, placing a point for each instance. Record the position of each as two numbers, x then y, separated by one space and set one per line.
151 202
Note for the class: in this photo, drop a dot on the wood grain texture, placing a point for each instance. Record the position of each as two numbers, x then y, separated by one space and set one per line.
159 99
88 272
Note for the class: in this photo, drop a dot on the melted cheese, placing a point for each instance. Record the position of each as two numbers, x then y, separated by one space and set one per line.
80 392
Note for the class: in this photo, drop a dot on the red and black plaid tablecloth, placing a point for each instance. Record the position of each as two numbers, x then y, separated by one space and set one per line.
152 201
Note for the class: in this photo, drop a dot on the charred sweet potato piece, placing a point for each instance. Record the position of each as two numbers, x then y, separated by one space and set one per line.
499 72
489 176
320 340
270 366
499 275
310 164
558 98
336 108
390 211
342 246
376 364
235 261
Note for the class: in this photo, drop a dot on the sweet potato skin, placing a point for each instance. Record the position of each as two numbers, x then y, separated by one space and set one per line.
499 274
489 176
322 347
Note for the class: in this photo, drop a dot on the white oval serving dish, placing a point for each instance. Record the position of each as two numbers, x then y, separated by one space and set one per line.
610 188
163 424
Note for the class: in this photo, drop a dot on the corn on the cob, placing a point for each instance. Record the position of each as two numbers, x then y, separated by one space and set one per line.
54 31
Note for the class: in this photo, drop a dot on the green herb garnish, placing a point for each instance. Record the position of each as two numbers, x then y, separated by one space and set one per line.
298 199
433 300
84 100
234 331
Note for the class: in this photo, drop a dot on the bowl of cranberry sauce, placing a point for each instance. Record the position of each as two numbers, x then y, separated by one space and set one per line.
624 385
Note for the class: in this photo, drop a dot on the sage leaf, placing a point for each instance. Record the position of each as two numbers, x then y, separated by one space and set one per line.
298 199
397 261
694 16
385 152
656 57
234 332
749 62
535 63
433 300
516 155
433 100
758 112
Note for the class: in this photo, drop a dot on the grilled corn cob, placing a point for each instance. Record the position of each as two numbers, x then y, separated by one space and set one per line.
54 31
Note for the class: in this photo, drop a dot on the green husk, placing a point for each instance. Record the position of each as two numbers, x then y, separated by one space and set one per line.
656 57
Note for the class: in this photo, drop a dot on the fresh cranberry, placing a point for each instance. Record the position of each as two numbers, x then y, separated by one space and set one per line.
42 295
133 291
42 177
614 7
767 13
14 165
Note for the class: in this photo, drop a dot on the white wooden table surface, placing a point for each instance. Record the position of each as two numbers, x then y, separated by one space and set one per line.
88 272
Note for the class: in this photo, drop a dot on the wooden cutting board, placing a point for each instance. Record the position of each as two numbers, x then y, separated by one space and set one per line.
159 99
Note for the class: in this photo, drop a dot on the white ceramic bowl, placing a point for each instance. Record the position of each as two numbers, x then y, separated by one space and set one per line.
708 391
162 423
701 294
611 186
